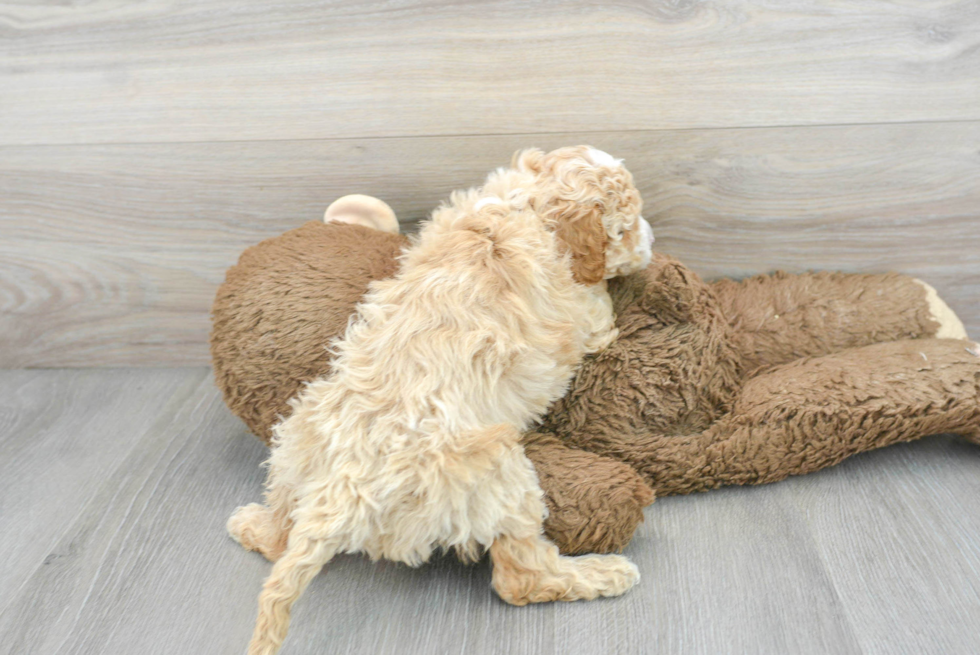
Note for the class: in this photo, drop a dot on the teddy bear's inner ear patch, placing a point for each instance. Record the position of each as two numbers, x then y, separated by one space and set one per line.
358 209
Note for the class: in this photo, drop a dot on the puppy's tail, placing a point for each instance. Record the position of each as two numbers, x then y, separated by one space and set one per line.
305 555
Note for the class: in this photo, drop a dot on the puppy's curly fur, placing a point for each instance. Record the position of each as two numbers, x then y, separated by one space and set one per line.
413 443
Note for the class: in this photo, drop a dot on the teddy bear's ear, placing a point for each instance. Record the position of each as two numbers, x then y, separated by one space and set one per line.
362 210
530 160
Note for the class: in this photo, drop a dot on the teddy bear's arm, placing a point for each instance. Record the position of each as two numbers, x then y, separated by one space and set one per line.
665 293
594 503
815 412
780 317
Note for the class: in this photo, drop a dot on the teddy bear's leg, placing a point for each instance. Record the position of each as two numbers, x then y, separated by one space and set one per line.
813 413
779 318
594 503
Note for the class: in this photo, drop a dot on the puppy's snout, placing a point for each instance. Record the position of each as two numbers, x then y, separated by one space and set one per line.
647 231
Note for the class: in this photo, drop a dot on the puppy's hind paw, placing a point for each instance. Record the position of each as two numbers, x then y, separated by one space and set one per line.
530 570
606 575
255 528
241 524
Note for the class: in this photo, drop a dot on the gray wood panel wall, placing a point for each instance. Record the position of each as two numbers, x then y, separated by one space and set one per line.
144 145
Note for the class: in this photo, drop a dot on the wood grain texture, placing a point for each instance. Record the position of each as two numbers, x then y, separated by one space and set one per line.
111 71
110 255
56 444
878 555
910 546
128 530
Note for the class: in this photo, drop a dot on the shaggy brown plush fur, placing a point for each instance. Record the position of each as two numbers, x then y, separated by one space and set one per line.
282 305
707 385
778 318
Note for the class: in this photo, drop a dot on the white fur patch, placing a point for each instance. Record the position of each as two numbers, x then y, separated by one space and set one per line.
619 260
489 200
646 232
600 158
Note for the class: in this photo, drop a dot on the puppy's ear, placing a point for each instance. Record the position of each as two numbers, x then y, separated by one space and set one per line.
570 195
580 231
530 160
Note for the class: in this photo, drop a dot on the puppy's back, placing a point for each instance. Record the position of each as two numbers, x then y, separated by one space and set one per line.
479 309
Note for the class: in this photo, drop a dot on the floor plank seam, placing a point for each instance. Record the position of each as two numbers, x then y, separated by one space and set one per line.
497 135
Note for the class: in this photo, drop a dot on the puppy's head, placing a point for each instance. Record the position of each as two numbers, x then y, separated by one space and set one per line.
588 198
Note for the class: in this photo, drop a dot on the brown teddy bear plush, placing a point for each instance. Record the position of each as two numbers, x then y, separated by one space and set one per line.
707 385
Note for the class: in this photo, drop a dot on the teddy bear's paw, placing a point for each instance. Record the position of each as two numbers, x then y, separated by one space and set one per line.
950 325
597 515
363 210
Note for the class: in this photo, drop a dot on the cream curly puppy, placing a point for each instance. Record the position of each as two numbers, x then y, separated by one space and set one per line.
413 443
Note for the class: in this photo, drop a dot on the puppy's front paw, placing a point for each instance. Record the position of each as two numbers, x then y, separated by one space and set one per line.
600 341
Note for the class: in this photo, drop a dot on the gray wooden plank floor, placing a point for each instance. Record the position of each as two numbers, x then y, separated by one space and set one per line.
118 484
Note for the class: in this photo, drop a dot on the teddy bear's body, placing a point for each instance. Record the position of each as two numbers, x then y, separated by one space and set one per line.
708 384
281 306
749 382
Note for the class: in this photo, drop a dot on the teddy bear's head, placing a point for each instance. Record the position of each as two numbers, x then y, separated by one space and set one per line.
288 298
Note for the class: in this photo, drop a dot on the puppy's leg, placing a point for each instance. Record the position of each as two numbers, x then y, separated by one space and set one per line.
264 528
529 570
300 563
600 319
